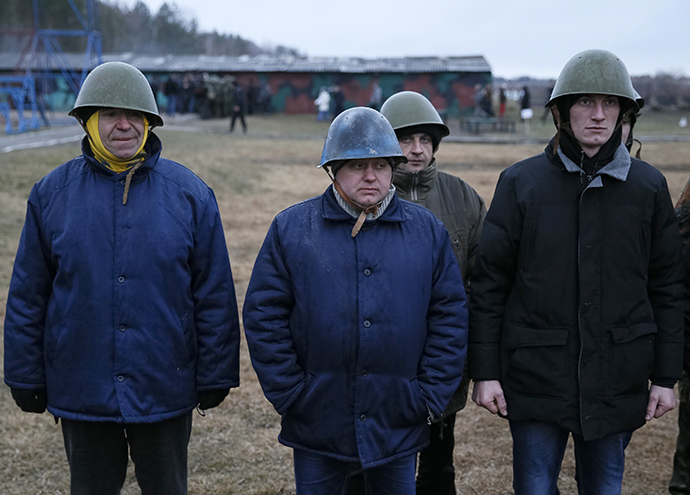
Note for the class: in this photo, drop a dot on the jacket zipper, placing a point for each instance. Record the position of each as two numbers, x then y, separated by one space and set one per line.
413 189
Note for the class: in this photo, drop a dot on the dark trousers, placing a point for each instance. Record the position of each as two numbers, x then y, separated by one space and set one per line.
317 474
680 481
97 455
436 475
239 114
538 450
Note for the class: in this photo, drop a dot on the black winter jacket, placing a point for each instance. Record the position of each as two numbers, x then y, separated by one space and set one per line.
576 295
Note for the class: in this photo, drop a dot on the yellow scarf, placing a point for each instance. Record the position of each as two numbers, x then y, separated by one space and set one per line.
106 157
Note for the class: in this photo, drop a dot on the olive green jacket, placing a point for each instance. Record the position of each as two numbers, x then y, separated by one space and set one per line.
462 212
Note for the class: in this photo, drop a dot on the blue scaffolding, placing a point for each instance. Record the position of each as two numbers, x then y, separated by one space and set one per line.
45 63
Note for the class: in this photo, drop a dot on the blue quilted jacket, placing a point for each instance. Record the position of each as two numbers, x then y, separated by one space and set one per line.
123 312
356 340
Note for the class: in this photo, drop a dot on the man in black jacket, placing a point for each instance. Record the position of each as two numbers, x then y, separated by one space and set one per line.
576 295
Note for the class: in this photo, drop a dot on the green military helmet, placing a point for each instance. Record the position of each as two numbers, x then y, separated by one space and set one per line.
411 109
639 100
116 85
598 72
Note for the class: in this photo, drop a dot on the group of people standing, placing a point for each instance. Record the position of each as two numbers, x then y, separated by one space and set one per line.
370 307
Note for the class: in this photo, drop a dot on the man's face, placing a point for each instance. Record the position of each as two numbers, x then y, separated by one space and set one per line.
593 119
121 131
419 150
365 181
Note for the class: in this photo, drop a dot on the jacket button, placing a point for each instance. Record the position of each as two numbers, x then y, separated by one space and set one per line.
367 323
367 272
120 378
121 279
365 372
362 418
122 182
123 328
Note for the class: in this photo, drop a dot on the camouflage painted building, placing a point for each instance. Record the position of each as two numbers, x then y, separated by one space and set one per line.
295 81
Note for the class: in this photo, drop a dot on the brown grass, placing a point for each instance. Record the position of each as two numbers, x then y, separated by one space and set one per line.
234 448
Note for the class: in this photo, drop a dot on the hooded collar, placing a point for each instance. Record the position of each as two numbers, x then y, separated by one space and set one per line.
618 168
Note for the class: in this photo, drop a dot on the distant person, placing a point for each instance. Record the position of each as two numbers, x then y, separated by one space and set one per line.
187 94
502 100
420 129
323 104
376 97
355 357
171 91
239 106
526 113
338 100
252 97
121 316
487 101
547 111
576 301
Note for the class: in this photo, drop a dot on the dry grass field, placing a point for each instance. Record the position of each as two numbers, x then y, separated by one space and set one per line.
234 449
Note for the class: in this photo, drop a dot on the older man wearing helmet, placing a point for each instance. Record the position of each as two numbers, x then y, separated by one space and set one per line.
355 318
576 297
121 315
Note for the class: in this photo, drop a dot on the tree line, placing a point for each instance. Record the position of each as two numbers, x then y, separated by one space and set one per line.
123 29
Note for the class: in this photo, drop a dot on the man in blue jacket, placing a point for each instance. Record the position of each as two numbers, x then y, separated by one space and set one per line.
356 318
576 296
121 316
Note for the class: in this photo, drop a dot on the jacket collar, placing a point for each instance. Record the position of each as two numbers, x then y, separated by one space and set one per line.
331 210
618 168
153 150
424 180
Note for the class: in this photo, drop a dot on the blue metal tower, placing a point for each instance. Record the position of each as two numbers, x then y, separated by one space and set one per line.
46 65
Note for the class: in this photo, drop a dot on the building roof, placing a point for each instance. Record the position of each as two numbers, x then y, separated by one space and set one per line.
264 63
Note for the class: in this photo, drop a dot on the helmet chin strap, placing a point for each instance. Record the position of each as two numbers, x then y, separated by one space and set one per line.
364 210
565 126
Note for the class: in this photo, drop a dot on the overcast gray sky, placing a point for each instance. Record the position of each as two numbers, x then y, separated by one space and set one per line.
518 38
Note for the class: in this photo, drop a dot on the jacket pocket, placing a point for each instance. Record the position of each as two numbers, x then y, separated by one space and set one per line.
537 361
303 404
632 358
412 407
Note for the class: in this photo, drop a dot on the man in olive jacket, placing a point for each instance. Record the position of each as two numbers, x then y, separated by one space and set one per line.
419 129
576 296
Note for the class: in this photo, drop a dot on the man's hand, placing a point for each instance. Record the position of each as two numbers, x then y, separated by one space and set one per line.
661 401
212 398
30 400
489 395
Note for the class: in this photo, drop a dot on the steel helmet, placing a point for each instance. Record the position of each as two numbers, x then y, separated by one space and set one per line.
410 109
116 85
595 72
639 100
360 132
